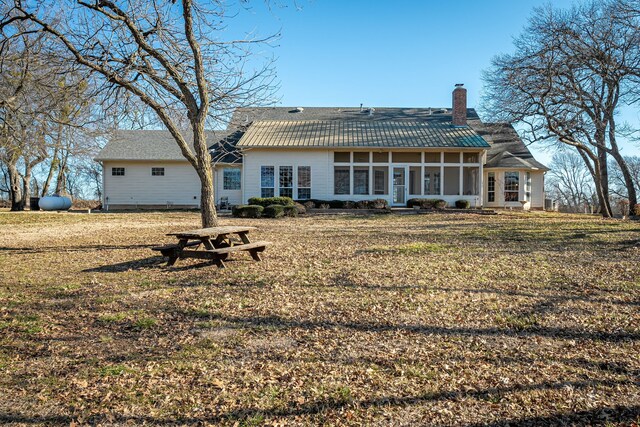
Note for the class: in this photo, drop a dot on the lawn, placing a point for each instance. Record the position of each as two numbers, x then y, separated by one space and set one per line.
383 320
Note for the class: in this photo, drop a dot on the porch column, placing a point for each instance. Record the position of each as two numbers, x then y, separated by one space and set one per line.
481 179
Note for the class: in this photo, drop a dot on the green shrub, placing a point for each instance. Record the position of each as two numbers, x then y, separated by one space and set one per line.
267 201
247 211
274 211
462 204
300 209
292 211
440 204
427 203
379 204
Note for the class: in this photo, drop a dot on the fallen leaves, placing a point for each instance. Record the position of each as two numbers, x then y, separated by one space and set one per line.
401 320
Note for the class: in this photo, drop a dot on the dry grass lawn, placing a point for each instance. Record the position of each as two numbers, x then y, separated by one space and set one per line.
530 319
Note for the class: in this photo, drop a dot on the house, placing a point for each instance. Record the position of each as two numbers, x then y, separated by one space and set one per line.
333 153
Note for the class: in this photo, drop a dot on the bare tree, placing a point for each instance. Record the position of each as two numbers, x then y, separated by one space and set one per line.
25 103
571 72
569 181
168 54
618 182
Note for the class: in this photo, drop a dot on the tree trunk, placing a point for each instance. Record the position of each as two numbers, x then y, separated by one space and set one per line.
208 211
26 188
603 176
52 168
15 191
61 181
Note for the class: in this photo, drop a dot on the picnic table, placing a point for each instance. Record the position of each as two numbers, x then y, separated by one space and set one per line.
213 243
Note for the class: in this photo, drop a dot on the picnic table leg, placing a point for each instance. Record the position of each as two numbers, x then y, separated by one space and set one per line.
175 254
216 259
255 253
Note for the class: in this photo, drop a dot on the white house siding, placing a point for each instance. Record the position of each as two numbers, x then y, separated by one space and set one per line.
179 187
318 160
536 200
322 172
234 197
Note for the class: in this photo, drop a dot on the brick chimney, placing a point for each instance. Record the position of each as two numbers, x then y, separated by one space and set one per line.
459 106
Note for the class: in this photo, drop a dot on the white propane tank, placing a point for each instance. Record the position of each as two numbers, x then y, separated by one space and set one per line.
55 203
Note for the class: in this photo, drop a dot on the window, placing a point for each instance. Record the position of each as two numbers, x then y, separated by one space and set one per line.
491 187
527 187
117 171
380 180
414 180
452 158
380 157
286 181
432 157
360 180
470 157
157 171
361 157
341 181
511 186
231 179
341 157
304 182
432 181
405 157
267 181
470 181
452 181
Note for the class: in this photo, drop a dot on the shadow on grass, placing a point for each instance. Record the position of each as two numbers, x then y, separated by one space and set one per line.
595 416
62 248
541 331
137 264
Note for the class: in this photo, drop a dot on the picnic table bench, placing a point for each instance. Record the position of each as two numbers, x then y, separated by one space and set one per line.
216 242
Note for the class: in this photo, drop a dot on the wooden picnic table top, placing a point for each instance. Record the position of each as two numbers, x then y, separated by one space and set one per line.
211 231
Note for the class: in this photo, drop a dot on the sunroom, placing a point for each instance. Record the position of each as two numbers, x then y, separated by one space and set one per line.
401 175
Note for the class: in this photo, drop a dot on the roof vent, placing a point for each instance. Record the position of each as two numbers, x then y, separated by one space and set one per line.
297 110
371 111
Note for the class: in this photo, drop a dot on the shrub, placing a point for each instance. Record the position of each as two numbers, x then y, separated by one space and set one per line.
462 204
324 206
292 211
309 204
274 211
379 204
247 211
427 203
300 209
636 210
267 201
440 204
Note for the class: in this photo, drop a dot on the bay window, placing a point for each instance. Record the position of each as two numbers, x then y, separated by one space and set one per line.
511 186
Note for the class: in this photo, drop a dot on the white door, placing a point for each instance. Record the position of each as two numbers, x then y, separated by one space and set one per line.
399 177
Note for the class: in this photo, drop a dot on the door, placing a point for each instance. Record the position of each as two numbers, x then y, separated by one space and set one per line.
399 185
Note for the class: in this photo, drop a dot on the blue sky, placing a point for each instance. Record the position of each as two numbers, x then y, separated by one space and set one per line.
389 54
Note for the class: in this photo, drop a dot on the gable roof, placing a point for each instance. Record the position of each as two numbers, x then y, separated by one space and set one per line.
507 148
160 145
